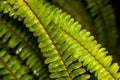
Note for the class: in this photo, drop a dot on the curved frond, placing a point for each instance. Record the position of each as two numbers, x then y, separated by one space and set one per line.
96 16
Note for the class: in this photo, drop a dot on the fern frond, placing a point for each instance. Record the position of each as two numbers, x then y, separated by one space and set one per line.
88 48
11 67
15 38
64 43
98 18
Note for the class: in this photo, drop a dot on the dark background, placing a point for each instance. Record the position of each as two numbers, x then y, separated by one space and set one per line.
116 7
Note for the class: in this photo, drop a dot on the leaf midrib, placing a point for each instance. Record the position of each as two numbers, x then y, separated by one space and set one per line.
20 37
8 68
87 51
50 38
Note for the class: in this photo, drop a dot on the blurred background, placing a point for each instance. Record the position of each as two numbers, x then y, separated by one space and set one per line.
116 7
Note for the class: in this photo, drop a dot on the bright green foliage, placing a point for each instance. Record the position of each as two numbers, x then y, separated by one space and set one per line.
67 48
10 68
77 10
16 38
102 25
